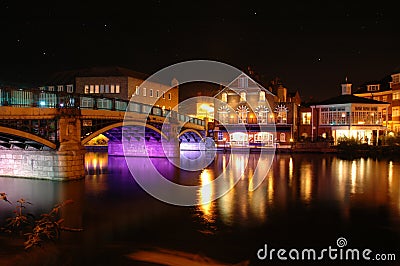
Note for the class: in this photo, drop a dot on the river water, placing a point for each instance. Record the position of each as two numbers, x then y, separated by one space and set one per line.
305 201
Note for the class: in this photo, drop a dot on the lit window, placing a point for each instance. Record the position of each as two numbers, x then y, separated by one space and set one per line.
223 114
396 78
242 112
396 95
306 118
137 91
224 97
281 116
101 88
86 89
107 89
151 93
91 88
373 87
262 96
60 88
51 88
70 88
395 112
117 89
384 98
112 89
262 114
144 91
243 96
96 89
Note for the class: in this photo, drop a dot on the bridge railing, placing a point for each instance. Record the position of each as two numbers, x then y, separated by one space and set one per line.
47 99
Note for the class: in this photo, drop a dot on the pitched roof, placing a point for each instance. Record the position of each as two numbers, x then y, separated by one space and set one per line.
384 82
342 99
68 77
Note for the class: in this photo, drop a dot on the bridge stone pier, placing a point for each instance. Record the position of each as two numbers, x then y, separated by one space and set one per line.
65 162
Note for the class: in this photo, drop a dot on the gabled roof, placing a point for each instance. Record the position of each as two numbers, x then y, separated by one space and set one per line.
68 77
234 85
343 99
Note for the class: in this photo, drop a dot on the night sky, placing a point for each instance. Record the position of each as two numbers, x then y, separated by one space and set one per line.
310 46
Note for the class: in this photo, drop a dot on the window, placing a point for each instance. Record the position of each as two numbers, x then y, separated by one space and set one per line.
223 114
117 89
281 116
262 114
262 96
70 88
51 88
101 88
396 78
137 91
107 89
96 88
243 82
163 95
384 98
396 95
112 89
157 93
242 112
86 91
151 93
282 137
224 97
395 112
91 88
243 96
169 96
373 87
144 92
60 88
306 118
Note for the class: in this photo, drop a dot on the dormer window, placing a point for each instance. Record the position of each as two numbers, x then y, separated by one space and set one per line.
373 87
262 96
243 96
224 97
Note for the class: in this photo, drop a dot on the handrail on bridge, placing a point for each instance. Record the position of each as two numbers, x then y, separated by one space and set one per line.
48 99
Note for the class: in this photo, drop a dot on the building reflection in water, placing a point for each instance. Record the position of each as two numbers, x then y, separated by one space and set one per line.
96 166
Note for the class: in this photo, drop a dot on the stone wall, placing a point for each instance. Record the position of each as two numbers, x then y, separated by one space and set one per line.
52 165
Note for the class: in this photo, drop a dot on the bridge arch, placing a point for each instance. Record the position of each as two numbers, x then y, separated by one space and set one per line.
188 130
28 136
120 124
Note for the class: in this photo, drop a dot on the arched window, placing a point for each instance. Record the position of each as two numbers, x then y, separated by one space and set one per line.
243 96
242 112
223 114
224 97
262 114
281 114
262 96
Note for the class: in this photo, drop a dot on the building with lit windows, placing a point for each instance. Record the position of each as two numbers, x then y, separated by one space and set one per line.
113 82
349 116
386 90
250 115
